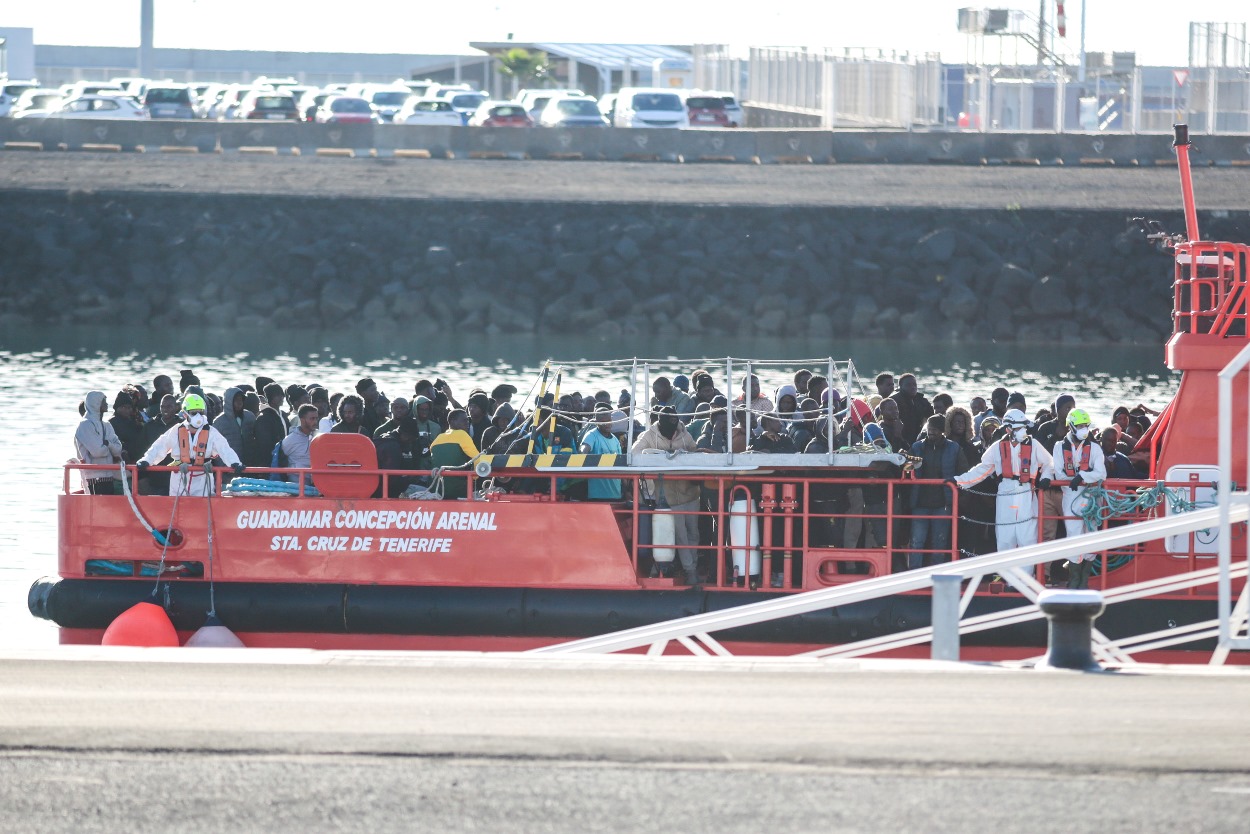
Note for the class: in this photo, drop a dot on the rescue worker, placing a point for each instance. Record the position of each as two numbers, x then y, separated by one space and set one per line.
1024 467
1079 463
193 444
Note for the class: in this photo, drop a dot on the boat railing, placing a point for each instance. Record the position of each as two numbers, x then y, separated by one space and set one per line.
1210 288
696 632
789 531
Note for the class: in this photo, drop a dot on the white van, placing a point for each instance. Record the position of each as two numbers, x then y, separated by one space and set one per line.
650 107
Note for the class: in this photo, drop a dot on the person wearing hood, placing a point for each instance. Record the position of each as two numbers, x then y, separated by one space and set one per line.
667 434
496 433
1024 467
1080 463
126 425
97 443
427 427
236 423
479 416
193 444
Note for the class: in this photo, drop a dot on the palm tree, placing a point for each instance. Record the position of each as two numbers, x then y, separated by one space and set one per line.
525 68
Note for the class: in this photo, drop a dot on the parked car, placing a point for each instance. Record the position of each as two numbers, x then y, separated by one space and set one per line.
91 88
572 112
227 105
10 91
706 111
420 89
269 104
36 103
428 111
388 102
501 114
386 99
99 107
346 110
466 104
650 107
310 102
737 118
169 101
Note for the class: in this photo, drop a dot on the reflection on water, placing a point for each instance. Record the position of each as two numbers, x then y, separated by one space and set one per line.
45 372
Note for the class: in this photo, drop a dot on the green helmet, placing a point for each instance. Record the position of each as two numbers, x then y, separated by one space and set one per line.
193 402
1078 417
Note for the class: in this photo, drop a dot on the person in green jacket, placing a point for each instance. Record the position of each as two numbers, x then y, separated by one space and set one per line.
454 448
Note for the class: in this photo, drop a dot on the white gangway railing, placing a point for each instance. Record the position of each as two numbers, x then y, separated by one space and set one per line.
1231 618
695 632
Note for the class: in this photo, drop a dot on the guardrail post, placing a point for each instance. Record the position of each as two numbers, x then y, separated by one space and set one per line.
1071 615
945 616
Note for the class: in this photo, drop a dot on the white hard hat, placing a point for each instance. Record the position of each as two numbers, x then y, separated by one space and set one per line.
1015 417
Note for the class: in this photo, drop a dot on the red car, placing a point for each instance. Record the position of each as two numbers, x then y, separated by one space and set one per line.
497 114
346 110
707 111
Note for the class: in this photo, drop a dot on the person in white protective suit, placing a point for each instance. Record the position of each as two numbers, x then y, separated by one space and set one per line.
193 444
1024 467
1079 462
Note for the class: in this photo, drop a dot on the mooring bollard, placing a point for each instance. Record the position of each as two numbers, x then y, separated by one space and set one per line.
1071 615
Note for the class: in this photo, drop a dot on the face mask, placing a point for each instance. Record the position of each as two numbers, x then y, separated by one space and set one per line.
197 421
668 426
1082 433
1020 434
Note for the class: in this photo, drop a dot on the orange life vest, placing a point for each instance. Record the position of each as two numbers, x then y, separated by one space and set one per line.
1026 460
1068 468
185 453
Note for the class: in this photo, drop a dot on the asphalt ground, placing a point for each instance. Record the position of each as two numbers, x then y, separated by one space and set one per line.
106 740
942 186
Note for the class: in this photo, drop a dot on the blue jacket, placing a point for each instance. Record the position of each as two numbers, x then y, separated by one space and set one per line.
950 468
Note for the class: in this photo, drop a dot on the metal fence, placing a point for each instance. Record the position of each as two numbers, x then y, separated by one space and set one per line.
875 89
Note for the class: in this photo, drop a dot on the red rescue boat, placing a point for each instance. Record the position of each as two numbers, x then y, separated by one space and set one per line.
337 567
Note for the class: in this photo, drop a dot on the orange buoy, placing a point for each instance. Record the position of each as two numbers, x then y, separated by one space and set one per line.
214 635
143 624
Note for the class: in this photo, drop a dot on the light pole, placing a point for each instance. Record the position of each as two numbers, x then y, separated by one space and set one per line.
147 15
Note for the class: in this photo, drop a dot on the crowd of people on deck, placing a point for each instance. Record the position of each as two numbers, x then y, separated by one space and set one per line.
990 449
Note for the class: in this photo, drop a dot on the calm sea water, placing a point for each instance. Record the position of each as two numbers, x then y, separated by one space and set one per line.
45 372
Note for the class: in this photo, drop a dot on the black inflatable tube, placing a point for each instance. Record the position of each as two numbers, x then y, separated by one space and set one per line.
529 612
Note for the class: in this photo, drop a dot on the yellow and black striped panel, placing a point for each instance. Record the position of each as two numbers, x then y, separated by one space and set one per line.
565 461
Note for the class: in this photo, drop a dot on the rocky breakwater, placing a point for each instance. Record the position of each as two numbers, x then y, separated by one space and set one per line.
424 267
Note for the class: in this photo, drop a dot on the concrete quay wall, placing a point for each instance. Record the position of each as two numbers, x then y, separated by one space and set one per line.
643 144
438 265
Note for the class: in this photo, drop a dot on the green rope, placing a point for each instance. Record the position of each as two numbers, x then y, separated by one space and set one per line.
1103 505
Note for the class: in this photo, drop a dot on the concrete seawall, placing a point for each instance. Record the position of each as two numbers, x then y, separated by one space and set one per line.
564 266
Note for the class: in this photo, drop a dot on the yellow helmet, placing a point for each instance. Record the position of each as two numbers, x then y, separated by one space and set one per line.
193 402
1077 418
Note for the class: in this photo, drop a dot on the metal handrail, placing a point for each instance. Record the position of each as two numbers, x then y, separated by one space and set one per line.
698 626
